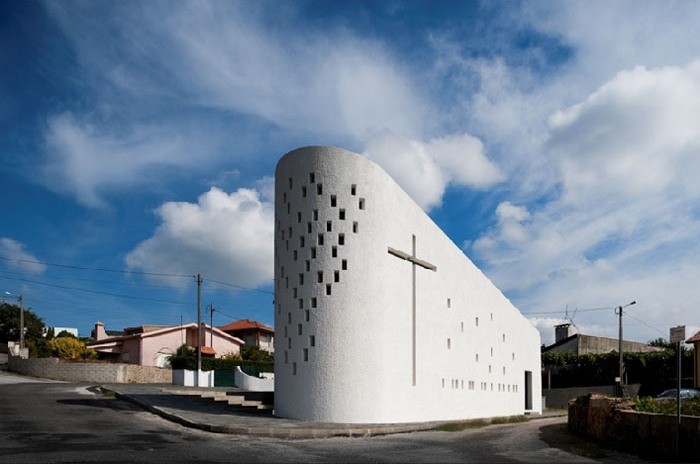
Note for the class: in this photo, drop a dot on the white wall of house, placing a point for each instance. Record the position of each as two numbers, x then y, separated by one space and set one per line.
344 306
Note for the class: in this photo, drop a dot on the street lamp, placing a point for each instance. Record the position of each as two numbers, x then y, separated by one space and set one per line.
21 320
621 382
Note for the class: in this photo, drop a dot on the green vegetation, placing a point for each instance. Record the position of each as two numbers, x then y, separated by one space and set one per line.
252 361
70 348
655 371
689 406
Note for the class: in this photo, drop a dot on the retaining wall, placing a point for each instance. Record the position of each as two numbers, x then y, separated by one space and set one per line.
612 422
54 368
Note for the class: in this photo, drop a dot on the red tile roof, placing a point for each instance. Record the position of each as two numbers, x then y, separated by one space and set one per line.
208 350
246 324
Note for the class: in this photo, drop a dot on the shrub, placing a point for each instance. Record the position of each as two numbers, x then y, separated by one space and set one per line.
70 348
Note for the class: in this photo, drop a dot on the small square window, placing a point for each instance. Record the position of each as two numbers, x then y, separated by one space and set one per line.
319 189
299 328
336 276
312 177
362 203
294 368
313 252
306 354
299 217
294 254
334 201
294 292
341 214
315 215
308 265
290 232
449 303
353 189
289 208
312 340
303 192
328 289
319 276
301 303
341 239
355 227
334 252
284 197
286 357
344 265
290 182
320 239
306 315
449 344
314 302
289 318
308 227
289 343
301 242
329 226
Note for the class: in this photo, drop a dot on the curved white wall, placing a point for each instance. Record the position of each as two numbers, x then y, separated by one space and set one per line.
344 306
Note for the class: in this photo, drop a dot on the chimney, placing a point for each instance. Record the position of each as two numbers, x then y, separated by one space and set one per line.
561 332
99 333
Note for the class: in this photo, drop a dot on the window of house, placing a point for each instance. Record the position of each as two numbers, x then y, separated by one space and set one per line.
328 289
319 275
303 192
320 239
307 315
315 215
301 242
341 239
308 227
344 265
299 328
355 227
334 251
306 354
329 226
353 189
313 252
336 276
312 340
334 201
312 177
314 302
362 203
301 303
299 217
319 189
341 214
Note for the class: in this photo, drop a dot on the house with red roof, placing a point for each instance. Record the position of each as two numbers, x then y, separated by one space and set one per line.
151 345
253 333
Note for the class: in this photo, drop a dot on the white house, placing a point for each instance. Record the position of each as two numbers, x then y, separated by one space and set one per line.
379 316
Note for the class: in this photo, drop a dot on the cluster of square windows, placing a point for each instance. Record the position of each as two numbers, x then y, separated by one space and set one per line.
458 384
318 236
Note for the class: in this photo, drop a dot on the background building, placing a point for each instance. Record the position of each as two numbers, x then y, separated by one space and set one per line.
379 316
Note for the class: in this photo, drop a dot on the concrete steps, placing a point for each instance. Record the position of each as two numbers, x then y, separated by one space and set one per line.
249 402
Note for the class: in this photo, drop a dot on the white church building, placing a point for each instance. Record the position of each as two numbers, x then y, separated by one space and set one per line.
379 316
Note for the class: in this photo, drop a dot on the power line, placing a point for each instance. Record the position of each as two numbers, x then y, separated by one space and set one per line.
120 271
238 286
65 287
641 321
564 312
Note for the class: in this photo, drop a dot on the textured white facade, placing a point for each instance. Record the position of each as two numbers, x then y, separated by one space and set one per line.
366 330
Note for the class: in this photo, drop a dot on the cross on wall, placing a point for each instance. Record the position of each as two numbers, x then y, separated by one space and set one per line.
414 262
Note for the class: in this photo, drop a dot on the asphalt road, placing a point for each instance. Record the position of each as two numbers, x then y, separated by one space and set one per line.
45 421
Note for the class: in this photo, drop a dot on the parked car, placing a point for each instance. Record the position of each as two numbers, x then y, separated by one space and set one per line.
673 393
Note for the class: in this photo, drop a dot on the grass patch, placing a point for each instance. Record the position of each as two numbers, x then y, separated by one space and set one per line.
478 423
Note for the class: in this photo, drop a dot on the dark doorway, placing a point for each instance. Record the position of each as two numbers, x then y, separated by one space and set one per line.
528 390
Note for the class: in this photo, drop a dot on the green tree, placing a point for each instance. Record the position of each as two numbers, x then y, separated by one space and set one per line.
70 348
9 324
253 353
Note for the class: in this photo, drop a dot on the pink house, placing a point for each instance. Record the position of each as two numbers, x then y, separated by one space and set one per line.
151 345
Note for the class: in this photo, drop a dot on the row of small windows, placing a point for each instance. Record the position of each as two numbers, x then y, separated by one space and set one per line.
312 180
458 384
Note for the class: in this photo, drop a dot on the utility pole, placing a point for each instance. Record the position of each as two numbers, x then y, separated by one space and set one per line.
621 383
211 323
199 327
21 324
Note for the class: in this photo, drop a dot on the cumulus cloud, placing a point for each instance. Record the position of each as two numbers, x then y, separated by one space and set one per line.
17 258
425 169
624 220
226 237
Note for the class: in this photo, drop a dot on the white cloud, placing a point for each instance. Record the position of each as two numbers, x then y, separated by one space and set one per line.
89 159
624 224
226 237
17 258
425 170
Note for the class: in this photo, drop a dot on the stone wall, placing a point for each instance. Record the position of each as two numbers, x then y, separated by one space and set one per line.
560 397
54 368
612 422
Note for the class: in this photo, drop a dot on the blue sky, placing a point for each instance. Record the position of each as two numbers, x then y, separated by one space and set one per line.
557 143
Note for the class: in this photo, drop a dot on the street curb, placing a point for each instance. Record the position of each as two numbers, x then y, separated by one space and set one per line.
294 432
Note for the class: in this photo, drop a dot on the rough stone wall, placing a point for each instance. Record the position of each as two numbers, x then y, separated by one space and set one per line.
53 368
612 422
